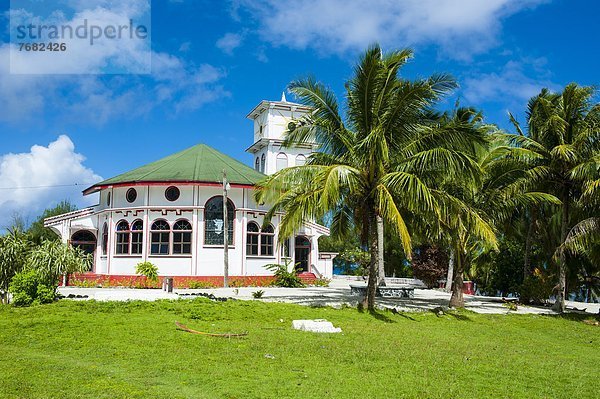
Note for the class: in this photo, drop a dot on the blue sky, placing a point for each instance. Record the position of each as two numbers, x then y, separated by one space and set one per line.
213 61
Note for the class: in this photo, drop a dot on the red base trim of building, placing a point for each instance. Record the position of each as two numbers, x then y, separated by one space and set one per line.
90 280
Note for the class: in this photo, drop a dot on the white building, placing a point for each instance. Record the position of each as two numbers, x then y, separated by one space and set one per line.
170 213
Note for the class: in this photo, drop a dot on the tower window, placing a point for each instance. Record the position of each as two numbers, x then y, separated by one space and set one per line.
263 160
300 160
257 164
282 161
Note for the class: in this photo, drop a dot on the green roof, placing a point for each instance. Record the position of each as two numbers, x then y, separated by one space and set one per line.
199 163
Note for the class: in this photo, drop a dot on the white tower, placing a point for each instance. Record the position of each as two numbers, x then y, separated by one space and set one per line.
271 119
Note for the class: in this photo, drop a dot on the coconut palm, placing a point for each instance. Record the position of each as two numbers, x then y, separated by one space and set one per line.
376 162
562 145
474 206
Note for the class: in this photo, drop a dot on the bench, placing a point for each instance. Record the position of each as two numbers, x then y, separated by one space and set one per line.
388 291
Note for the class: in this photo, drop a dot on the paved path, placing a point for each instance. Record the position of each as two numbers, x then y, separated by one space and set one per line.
336 295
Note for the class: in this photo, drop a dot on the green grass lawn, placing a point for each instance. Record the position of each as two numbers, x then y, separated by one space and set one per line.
133 350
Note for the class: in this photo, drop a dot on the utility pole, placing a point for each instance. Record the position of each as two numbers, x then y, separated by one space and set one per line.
226 188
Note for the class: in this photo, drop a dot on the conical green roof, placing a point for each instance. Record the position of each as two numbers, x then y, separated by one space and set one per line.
200 163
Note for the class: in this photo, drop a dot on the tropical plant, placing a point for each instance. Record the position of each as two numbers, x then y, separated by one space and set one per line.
28 287
147 269
376 164
285 275
258 294
14 248
53 259
474 206
562 146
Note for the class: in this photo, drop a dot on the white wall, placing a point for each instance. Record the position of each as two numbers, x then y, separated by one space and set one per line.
205 260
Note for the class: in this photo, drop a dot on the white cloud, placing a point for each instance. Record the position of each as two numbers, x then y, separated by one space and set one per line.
124 53
459 28
229 42
512 85
174 86
55 165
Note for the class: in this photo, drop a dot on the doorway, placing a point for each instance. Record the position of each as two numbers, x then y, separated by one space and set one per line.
302 254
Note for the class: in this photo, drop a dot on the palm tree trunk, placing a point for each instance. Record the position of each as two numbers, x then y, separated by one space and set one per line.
528 239
450 276
456 299
380 239
559 304
373 264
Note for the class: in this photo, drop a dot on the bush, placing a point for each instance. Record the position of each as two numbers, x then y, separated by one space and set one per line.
28 287
147 269
283 277
430 264
196 284
535 290
258 294
45 294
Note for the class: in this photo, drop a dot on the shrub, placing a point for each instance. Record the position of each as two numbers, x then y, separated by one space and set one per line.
28 287
45 294
430 264
535 290
147 269
284 277
200 284
14 248
258 294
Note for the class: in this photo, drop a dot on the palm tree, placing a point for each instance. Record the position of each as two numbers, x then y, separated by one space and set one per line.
374 163
562 145
473 206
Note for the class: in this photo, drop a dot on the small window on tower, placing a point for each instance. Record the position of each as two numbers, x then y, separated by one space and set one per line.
263 159
282 161
300 160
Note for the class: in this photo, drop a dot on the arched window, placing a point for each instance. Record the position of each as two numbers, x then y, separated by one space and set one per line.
182 238
300 160
104 239
213 221
282 161
257 164
123 234
84 240
263 159
137 237
266 241
159 241
252 239
259 242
